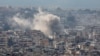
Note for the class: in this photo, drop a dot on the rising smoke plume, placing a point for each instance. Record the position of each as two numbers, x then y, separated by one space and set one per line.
43 21
20 22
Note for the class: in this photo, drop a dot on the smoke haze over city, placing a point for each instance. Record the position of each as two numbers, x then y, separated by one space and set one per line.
49 28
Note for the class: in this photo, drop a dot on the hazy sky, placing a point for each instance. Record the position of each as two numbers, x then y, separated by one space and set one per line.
74 4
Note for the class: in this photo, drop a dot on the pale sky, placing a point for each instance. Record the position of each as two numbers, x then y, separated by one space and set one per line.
73 4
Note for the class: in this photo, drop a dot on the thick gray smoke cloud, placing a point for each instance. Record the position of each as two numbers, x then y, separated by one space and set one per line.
47 23
43 21
20 22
